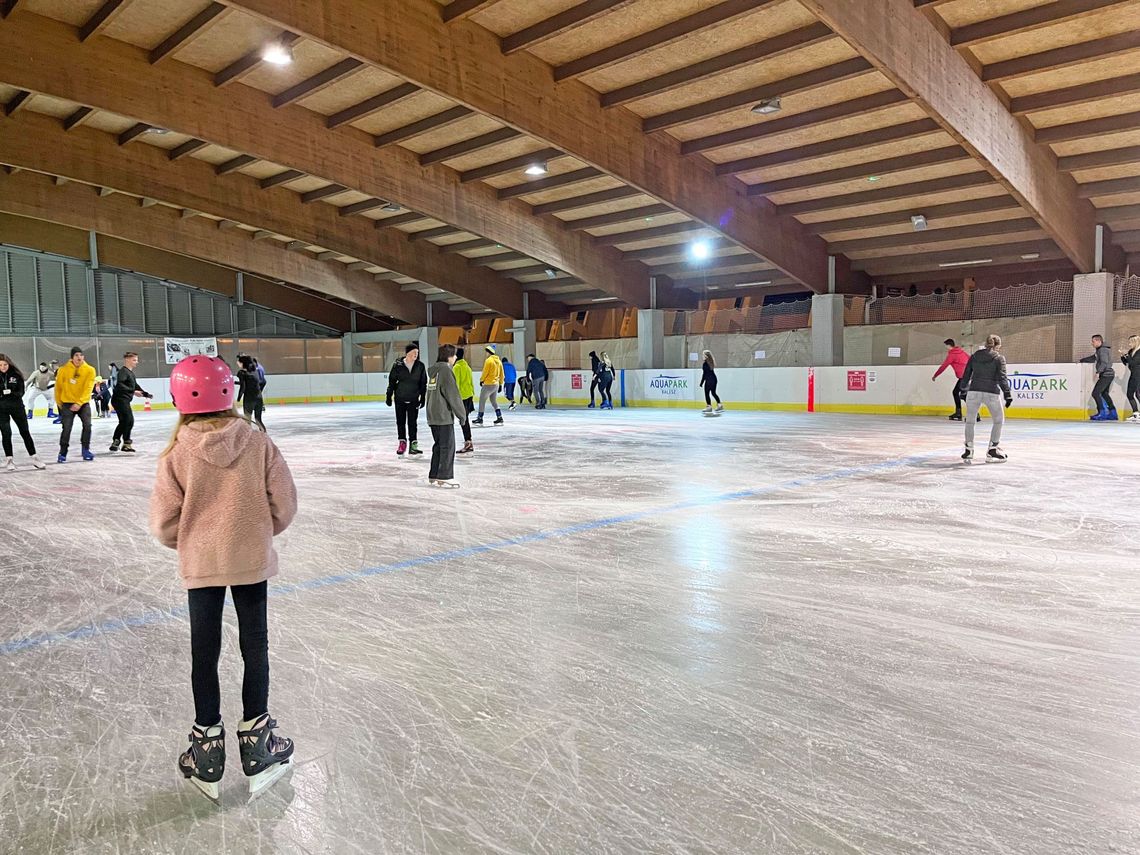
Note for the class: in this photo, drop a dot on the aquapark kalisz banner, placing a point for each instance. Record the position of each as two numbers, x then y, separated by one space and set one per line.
178 349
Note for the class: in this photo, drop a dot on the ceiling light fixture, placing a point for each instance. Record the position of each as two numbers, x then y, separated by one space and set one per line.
872 178
1031 256
276 53
603 299
919 222
754 284
551 273
159 131
537 169
700 250
767 107
966 263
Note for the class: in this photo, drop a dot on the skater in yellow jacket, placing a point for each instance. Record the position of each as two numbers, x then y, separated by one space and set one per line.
73 386
491 383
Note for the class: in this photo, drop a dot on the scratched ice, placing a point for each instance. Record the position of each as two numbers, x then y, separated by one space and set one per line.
628 632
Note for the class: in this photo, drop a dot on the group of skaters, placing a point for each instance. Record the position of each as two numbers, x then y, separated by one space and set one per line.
72 386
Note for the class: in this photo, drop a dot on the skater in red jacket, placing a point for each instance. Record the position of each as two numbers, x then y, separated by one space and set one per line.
956 359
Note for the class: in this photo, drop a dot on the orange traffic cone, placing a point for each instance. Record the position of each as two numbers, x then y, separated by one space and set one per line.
146 405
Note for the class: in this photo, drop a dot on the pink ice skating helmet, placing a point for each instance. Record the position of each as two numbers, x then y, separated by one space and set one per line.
202 384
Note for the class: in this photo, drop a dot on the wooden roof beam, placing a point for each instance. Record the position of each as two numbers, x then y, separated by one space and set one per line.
556 25
1088 128
566 179
929 237
470 146
798 83
645 212
933 213
912 53
502 167
187 148
362 207
323 193
1028 19
373 105
659 37
1062 57
636 235
1113 87
88 155
239 68
432 123
768 49
457 10
914 189
134 132
7 7
18 102
81 115
960 258
518 91
886 166
281 178
189 31
319 81
598 198
400 220
103 16
234 164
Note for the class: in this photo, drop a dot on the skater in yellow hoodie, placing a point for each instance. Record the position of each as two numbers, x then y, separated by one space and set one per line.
491 383
73 386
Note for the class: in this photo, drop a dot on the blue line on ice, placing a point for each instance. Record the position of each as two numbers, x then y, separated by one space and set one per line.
115 625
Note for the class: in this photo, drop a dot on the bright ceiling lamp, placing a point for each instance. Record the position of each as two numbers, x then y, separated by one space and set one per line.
966 263
276 53
700 250
537 169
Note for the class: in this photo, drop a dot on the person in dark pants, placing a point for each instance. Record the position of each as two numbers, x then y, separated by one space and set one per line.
956 359
1105 374
538 374
510 378
126 389
465 380
1131 360
606 381
12 408
708 381
73 385
407 385
249 390
444 406
594 363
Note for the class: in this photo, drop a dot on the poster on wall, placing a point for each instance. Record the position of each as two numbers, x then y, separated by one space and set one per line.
856 381
669 387
575 381
178 349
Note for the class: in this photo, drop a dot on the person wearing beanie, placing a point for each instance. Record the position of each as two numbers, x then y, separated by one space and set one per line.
537 371
956 359
73 385
490 384
40 384
444 406
407 385
595 363
465 380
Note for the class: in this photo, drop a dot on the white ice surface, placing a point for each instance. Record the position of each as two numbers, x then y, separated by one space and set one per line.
764 633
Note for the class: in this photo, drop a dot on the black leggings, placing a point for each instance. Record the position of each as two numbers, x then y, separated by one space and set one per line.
958 395
252 409
21 420
126 419
469 406
206 646
1100 392
710 393
1134 390
604 386
594 388
407 421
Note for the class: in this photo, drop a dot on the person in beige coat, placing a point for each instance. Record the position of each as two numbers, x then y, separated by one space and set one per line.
221 493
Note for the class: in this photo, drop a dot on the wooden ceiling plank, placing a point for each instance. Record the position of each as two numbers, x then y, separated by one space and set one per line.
886 166
322 80
798 83
322 193
187 148
659 37
564 180
502 258
81 115
361 207
513 164
645 212
457 10
437 232
1028 19
1096 159
281 178
470 146
556 25
103 16
518 91
1099 90
133 132
400 220
239 68
761 51
932 213
7 7
838 145
467 245
1088 128
808 119
234 164
1062 57
889 194
373 105
586 201
440 120
648 234
674 249
928 260
189 31
1109 187
913 54
18 102
931 236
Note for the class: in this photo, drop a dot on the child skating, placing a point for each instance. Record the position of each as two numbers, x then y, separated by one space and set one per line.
222 491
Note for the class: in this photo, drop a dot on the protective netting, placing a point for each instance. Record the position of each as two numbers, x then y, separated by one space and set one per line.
756 320
1015 301
1127 293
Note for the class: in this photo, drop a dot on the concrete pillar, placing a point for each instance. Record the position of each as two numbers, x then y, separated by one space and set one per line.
827 329
1092 311
348 354
429 344
650 338
525 335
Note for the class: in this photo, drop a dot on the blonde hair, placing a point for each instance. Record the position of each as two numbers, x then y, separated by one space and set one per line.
190 418
1133 342
993 341
709 358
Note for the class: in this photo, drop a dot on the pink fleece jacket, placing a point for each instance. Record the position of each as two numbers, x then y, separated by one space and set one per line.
220 496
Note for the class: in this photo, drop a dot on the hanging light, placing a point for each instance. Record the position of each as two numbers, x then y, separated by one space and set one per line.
700 250
276 53
537 169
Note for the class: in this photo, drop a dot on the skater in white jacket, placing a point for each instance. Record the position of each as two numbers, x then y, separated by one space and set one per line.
40 383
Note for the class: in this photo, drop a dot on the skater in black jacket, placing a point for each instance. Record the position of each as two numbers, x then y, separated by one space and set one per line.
126 389
12 408
407 385
708 381
1105 374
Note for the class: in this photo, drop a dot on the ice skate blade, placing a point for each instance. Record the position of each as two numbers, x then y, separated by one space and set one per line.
210 791
263 780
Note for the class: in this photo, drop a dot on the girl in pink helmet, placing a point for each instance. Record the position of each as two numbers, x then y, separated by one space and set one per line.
221 493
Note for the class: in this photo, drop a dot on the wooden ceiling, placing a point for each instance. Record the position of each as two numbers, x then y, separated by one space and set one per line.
393 149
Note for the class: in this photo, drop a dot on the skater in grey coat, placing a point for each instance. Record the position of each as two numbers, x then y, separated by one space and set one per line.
444 406
985 383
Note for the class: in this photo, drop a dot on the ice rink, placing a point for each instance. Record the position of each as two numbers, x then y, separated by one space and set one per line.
629 632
